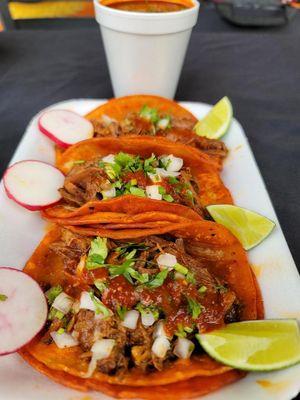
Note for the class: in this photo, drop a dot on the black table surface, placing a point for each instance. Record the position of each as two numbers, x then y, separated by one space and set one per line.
258 69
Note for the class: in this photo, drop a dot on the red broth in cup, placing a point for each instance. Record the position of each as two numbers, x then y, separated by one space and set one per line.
148 6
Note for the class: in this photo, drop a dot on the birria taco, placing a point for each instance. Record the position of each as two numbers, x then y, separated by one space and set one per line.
109 177
123 313
153 116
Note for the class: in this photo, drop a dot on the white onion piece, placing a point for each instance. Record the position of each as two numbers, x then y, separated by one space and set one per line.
63 340
174 164
110 158
107 120
166 260
86 302
178 276
63 303
155 178
159 330
183 348
165 174
109 194
163 123
160 346
101 349
131 319
153 192
147 318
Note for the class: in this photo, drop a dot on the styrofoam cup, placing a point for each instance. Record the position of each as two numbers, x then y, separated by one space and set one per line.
145 51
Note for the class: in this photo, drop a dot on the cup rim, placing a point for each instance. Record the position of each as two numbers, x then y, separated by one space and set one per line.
146 16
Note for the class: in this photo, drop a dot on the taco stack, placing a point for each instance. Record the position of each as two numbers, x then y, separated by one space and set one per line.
133 269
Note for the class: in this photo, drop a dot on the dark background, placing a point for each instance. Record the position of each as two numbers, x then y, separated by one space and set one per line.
259 69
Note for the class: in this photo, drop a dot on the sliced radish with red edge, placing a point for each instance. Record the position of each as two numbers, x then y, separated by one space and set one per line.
23 309
33 184
65 127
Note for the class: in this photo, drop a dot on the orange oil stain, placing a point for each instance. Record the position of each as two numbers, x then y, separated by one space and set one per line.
273 387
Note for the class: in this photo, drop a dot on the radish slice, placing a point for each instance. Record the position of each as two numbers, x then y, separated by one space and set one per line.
23 309
65 127
33 184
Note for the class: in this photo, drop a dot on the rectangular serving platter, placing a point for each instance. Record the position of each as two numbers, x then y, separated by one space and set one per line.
21 231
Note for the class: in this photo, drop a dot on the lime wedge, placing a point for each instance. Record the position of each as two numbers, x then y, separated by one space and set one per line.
216 123
249 227
255 345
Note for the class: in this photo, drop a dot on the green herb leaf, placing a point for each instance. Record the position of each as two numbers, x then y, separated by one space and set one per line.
158 280
168 197
60 331
173 180
150 114
129 246
150 164
100 285
145 310
97 254
190 278
53 292
121 311
54 313
180 268
202 289
137 191
161 190
194 307
141 278
100 307
3 297
221 288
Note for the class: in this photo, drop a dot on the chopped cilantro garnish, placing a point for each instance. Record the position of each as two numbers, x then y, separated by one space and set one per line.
173 180
161 190
53 292
150 114
183 330
97 254
131 254
121 311
126 162
100 307
53 313
168 197
190 278
180 268
137 191
150 164
159 279
100 285
3 297
128 272
129 246
194 307
146 310
202 289
60 331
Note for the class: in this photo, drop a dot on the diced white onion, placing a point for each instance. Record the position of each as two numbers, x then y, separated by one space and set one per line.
107 120
109 194
131 319
153 192
147 318
178 275
110 158
155 178
63 340
183 348
165 174
63 303
163 123
174 164
166 260
159 330
101 349
160 346
86 302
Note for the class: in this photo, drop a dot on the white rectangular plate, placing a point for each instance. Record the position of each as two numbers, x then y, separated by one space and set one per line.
21 231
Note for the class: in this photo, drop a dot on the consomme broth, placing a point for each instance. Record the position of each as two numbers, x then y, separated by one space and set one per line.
151 6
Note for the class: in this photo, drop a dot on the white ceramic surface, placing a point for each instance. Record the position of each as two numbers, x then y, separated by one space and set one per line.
21 230
150 47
